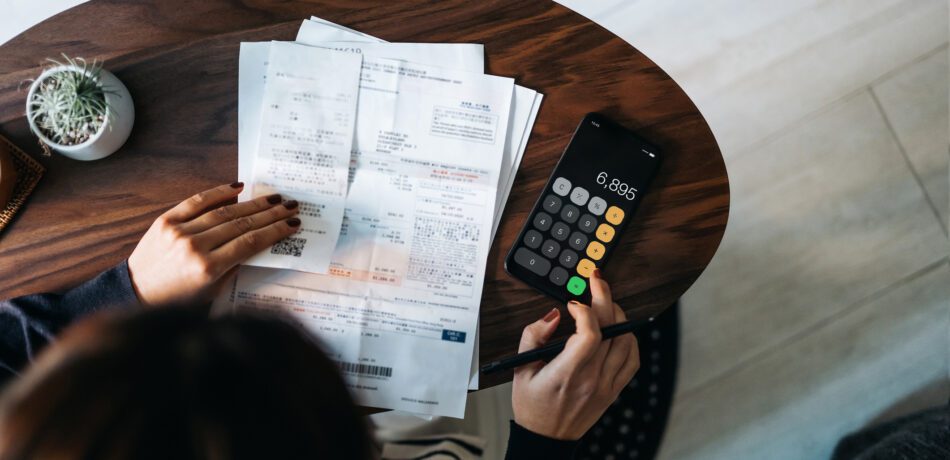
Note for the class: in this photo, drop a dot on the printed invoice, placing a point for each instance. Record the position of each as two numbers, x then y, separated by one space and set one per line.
407 272
319 32
524 105
462 56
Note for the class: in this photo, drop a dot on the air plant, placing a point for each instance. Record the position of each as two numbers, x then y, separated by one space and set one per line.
70 106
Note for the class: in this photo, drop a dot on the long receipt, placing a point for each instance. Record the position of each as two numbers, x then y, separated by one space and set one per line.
308 115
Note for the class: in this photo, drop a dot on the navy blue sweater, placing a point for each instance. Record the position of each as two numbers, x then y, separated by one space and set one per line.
29 323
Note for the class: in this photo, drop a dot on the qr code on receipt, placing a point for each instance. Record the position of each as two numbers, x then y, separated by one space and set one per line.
289 247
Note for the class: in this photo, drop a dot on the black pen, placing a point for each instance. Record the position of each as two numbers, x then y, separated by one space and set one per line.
549 351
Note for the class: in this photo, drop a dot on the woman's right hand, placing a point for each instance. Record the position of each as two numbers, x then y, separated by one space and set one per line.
188 253
565 397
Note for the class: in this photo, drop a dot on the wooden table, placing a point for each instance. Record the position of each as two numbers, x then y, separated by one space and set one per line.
179 59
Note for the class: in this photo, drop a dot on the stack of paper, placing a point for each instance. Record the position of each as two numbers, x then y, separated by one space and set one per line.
402 156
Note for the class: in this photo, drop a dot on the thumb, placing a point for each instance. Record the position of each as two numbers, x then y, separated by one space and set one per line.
538 332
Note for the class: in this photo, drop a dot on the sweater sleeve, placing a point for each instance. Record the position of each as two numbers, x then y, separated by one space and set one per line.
29 323
524 443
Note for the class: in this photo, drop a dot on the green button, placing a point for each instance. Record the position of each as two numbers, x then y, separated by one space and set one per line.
576 285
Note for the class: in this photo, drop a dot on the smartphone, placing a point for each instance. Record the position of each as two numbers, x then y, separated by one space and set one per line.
583 209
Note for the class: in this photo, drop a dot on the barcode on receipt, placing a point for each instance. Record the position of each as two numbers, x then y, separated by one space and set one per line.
289 246
365 369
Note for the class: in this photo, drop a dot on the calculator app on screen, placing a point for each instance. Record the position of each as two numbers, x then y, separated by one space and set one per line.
585 205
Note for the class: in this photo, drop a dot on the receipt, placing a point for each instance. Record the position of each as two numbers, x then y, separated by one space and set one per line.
306 133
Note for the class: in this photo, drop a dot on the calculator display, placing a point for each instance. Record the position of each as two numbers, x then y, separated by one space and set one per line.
591 195
610 160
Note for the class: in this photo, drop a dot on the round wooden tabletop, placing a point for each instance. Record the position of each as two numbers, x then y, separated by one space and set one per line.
179 60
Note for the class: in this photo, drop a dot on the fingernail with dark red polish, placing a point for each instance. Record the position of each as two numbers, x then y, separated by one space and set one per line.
237 184
292 204
573 302
273 199
550 316
293 222
596 273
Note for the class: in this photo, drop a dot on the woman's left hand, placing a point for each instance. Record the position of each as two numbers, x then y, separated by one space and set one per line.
188 253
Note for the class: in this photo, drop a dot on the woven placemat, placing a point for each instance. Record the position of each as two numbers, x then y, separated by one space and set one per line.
29 172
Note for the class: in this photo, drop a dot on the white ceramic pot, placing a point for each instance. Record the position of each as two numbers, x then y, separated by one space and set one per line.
113 133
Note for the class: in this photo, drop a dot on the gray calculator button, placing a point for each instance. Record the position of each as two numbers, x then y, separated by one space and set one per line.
558 276
587 223
562 186
560 231
551 204
597 206
550 249
533 239
577 241
570 213
568 258
542 221
532 261
579 196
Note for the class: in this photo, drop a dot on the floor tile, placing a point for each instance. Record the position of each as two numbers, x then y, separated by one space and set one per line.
915 103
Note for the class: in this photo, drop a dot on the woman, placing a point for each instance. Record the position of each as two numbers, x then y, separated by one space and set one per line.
166 381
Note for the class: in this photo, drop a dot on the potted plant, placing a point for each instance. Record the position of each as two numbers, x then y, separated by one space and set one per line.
79 109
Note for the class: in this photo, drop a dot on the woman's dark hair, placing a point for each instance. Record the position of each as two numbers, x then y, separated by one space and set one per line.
174 383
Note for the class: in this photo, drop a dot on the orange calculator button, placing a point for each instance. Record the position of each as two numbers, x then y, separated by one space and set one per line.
595 250
585 267
605 233
614 215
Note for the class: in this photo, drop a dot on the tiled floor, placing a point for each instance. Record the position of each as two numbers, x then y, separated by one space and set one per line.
827 305
914 103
